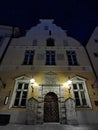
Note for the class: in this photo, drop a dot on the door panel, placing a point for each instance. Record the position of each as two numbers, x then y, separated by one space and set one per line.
51 112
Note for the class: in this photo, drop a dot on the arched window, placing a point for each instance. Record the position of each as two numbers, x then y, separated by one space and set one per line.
50 42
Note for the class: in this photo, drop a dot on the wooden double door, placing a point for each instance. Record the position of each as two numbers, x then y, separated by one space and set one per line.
51 108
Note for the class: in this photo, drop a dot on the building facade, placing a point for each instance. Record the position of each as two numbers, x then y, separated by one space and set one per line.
92 49
47 77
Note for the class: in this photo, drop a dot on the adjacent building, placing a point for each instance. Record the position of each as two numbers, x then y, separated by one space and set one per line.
46 76
92 50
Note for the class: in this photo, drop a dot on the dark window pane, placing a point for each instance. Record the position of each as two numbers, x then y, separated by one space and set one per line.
50 42
23 102
24 95
77 99
77 102
25 86
96 103
18 94
16 103
83 98
80 86
74 86
20 86
76 94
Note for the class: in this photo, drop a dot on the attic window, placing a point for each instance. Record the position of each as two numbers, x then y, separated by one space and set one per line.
50 42
96 40
95 54
45 27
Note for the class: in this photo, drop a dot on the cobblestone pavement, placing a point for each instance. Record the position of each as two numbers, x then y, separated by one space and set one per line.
49 126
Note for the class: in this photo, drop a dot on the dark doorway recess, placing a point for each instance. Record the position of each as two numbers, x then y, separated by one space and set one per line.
51 110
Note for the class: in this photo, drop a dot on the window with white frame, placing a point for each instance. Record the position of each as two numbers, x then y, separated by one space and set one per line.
80 94
28 58
21 92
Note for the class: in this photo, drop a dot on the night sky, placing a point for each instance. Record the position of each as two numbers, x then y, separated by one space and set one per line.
78 17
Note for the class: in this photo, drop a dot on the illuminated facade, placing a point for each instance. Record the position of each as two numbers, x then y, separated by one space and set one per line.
48 78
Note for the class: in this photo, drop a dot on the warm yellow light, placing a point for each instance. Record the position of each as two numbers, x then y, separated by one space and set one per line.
32 81
69 82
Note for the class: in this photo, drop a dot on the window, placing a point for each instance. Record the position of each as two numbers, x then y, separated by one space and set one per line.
96 103
80 94
50 57
95 54
21 94
45 27
96 40
50 42
72 60
28 59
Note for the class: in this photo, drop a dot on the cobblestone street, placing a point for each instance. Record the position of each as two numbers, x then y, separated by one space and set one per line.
49 126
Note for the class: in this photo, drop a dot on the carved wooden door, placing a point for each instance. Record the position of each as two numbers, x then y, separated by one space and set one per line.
51 112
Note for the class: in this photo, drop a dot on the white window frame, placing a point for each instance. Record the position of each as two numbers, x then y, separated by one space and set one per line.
18 80
83 82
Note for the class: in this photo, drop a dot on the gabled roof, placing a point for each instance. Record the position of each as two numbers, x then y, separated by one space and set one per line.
78 78
23 78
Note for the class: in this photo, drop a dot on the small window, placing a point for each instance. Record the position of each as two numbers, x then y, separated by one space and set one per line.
50 42
72 58
45 27
28 58
95 54
50 58
96 40
96 103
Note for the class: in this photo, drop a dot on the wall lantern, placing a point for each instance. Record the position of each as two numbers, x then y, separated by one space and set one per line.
32 81
68 83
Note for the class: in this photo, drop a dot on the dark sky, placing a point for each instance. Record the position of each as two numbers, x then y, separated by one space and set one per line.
78 17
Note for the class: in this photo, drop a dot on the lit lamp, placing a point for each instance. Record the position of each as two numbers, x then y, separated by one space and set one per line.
68 83
32 82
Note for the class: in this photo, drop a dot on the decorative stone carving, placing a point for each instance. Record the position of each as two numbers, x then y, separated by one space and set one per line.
50 78
70 111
